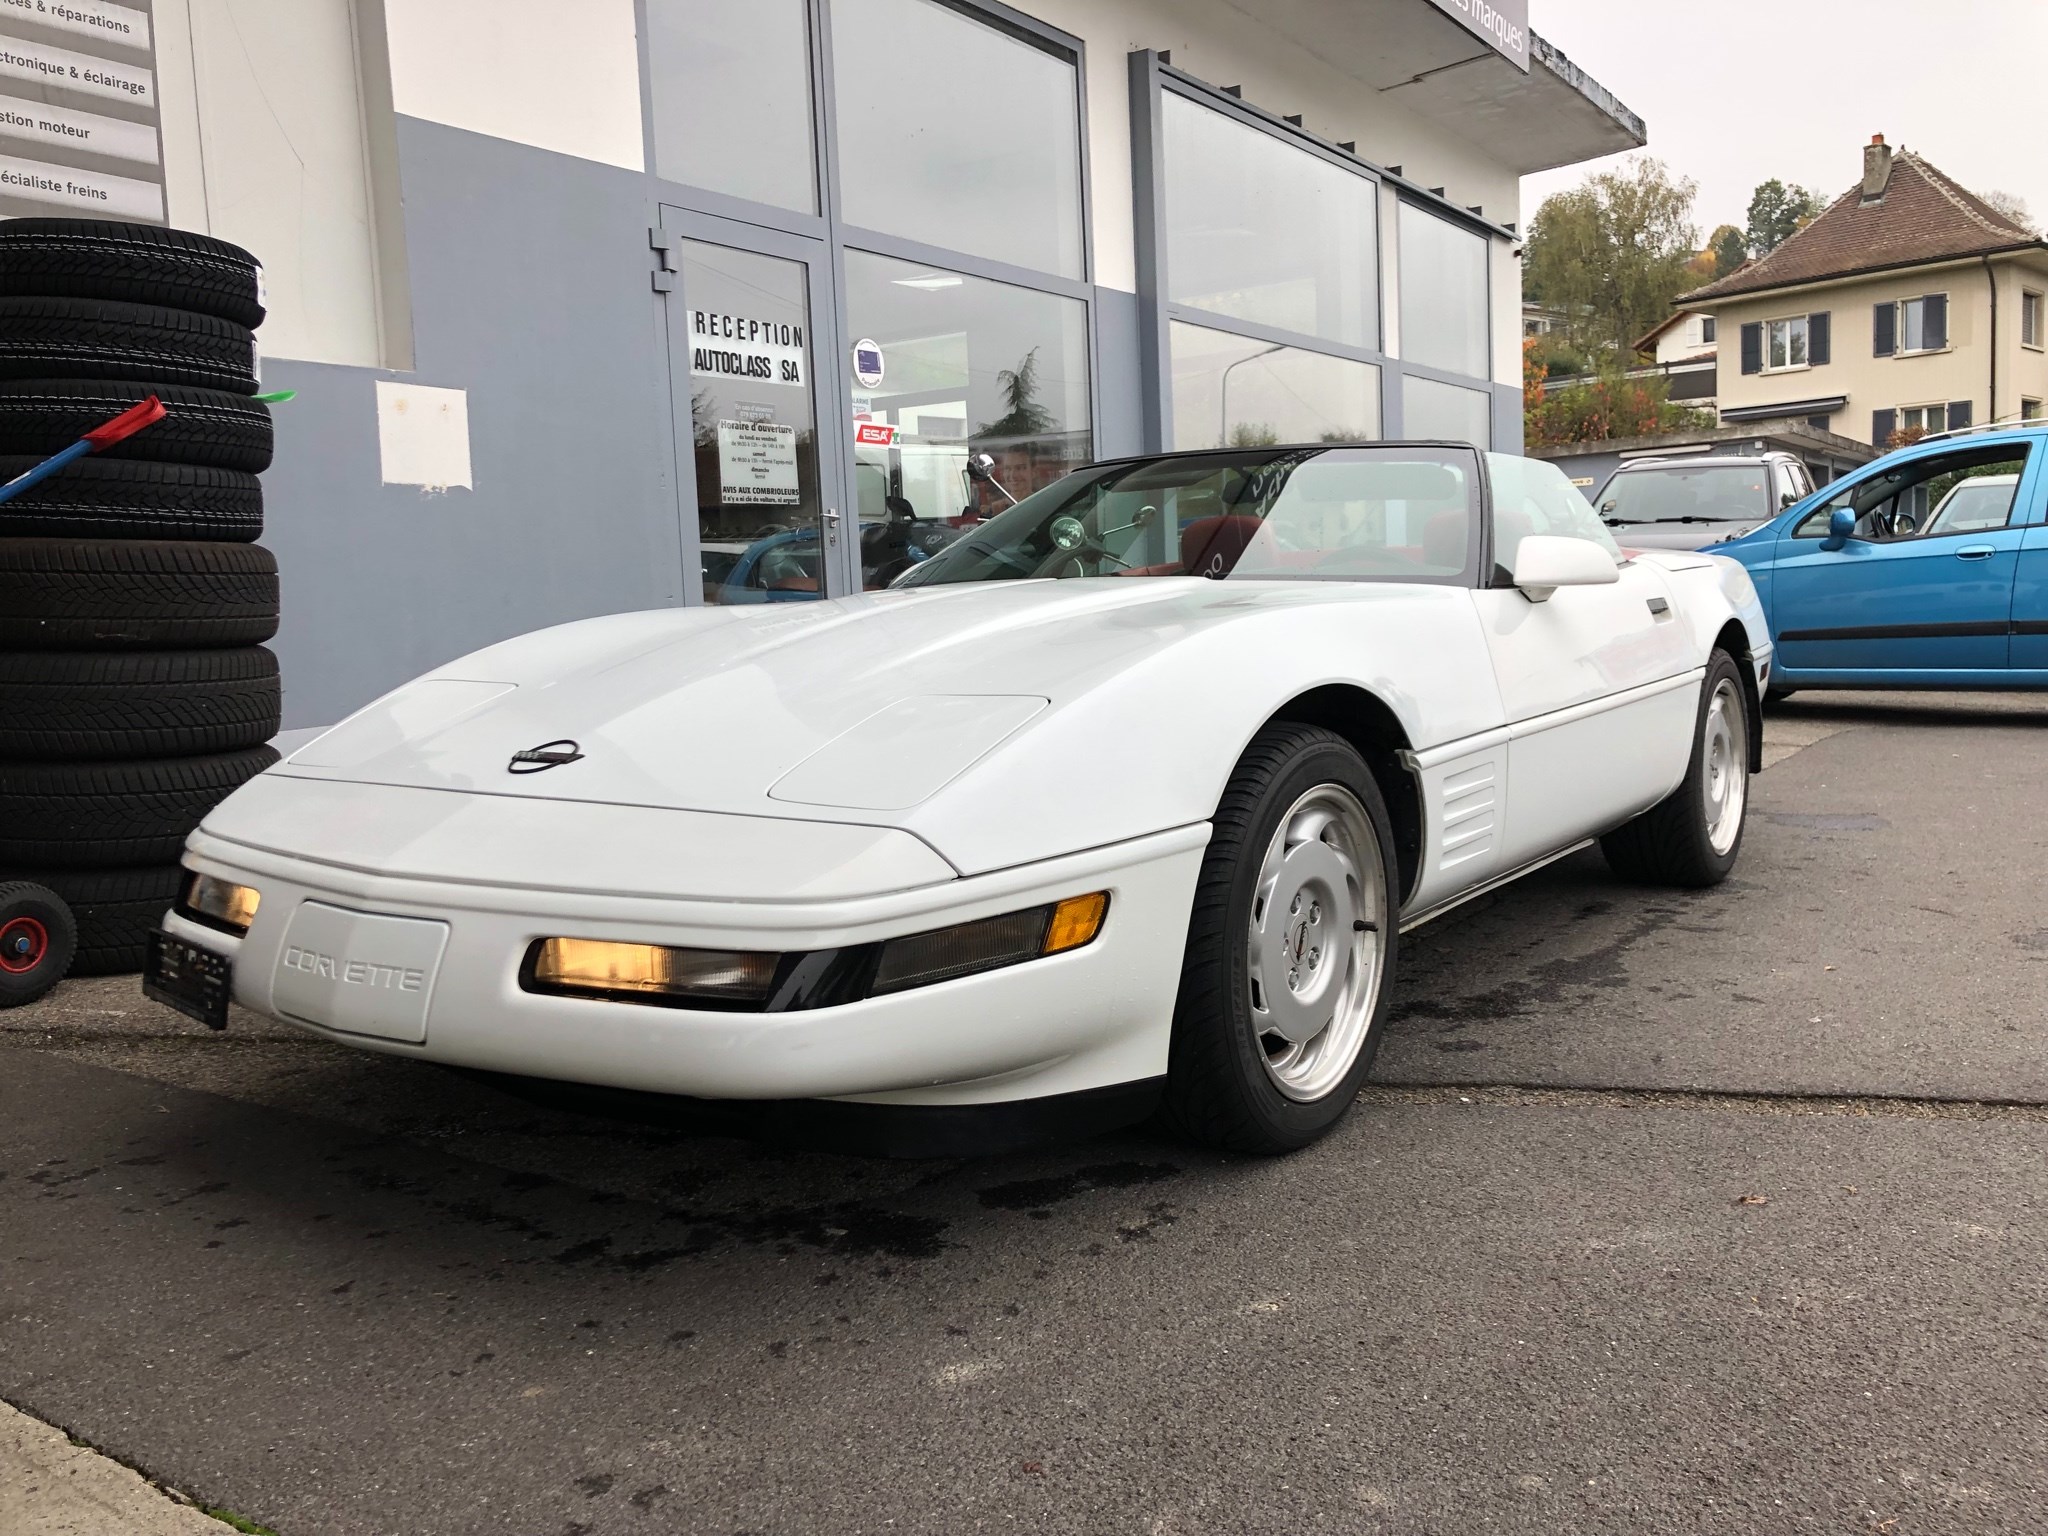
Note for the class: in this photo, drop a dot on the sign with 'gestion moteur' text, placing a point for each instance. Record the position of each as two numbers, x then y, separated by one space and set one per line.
78 111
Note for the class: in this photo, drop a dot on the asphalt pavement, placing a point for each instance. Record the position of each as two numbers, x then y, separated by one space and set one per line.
1667 1212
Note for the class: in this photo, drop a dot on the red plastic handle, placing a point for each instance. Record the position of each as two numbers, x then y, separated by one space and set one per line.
131 421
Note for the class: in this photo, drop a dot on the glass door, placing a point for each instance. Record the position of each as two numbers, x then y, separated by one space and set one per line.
760 467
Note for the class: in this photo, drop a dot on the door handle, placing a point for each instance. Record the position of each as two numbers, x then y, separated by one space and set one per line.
832 525
1976 552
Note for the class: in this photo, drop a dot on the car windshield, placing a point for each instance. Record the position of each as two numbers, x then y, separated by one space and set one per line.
1393 513
1685 493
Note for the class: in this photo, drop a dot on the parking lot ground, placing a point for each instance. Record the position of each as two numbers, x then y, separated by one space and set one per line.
1651 1222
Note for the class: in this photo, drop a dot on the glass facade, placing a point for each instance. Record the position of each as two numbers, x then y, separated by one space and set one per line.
1234 392
879 305
731 88
957 134
753 425
966 366
1443 294
1263 231
1445 413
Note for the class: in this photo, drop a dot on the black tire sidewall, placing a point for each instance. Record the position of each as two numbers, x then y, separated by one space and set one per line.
1281 1123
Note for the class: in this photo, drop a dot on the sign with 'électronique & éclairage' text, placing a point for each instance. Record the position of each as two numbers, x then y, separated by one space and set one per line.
78 111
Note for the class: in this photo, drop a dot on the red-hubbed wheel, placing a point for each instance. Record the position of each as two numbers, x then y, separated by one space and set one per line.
37 941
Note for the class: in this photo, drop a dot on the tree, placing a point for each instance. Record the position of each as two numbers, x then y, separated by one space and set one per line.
1025 416
1607 406
1611 254
1777 213
2013 207
1731 249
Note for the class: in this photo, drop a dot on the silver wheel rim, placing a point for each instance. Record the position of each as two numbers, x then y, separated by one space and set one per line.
1724 765
1316 942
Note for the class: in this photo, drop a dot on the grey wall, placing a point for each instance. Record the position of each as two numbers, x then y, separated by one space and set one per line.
1119 391
530 290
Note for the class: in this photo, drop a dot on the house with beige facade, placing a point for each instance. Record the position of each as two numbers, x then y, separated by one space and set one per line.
1909 306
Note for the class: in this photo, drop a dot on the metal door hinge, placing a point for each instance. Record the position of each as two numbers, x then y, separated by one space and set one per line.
663 244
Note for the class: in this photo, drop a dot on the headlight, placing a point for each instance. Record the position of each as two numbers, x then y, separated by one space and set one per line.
591 965
756 981
219 903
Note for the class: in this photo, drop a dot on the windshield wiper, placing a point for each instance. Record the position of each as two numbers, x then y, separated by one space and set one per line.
1641 522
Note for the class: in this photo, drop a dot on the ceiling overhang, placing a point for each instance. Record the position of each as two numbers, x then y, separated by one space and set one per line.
1416 55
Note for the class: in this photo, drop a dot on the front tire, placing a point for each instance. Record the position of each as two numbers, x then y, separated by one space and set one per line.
1291 948
1692 837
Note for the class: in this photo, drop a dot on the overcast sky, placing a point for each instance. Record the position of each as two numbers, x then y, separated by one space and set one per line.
1738 91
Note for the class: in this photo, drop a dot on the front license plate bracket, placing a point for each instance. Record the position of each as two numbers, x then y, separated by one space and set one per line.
195 981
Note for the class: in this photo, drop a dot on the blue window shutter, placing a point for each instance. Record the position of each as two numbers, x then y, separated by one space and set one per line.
1819 339
1882 425
1937 321
1753 347
1884 330
1958 415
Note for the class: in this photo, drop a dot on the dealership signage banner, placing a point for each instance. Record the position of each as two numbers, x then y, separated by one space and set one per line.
744 348
79 124
1503 23
757 464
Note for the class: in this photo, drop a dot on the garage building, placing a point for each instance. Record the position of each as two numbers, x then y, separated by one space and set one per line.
632 303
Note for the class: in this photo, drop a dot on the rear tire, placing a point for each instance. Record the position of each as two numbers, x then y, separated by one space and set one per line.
1295 921
76 595
136 263
1693 836
214 427
134 499
114 911
37 942
79 706
105 815
100 339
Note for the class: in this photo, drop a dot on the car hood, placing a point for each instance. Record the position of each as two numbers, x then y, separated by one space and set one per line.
1680 535
861 709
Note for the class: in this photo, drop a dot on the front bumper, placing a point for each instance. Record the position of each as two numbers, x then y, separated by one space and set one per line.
1068 1023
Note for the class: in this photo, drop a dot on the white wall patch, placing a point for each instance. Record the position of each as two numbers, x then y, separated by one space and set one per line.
423 435
565 78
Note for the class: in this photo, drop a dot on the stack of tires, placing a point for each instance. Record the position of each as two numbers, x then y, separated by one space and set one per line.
135 692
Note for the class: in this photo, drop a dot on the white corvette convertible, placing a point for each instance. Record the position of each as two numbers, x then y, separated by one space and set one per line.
1119 805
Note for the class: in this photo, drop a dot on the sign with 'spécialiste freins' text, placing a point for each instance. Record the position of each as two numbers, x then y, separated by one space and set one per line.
78 111
1502 23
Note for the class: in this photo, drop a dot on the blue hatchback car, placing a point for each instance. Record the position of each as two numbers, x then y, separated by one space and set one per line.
1925 569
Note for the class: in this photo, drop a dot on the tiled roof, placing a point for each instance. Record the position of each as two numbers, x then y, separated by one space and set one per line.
1924 217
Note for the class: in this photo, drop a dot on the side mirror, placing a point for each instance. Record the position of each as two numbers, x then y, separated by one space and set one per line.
1544 562
1841 527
